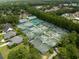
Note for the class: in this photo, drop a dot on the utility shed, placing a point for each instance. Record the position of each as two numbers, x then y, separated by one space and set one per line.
16 40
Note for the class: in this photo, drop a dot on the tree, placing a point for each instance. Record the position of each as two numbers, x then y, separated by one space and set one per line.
68 49
69 52
51 50
25 41
77 41
34 53
20 52
72 51
71 38
63 53
13 19
23 52
65 10
55 19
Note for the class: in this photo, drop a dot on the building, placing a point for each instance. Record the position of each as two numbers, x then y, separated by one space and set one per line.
76 14
9 34
7 27
23 20
52 9
15 40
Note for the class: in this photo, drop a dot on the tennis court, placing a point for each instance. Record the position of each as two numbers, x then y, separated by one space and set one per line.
41 34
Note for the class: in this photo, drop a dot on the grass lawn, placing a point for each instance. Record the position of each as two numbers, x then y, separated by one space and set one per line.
1 43
4 51
1 36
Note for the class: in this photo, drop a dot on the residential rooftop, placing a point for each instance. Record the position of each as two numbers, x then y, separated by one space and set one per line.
6 27
15 40
9 34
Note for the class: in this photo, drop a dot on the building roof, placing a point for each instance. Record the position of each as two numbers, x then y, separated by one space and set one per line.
16 39
7 26
32 17
23 20
21 26
9 34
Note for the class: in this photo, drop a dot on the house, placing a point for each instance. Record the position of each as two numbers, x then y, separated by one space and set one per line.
9 34
7 27
23 16
8 31
15 40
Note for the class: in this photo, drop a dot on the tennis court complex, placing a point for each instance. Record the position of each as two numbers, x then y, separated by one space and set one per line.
41 34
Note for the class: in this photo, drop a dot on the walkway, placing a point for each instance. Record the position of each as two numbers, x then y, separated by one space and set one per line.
44 57
4 44
54 53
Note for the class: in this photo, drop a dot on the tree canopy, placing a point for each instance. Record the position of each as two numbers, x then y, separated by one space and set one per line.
23 52
57 20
